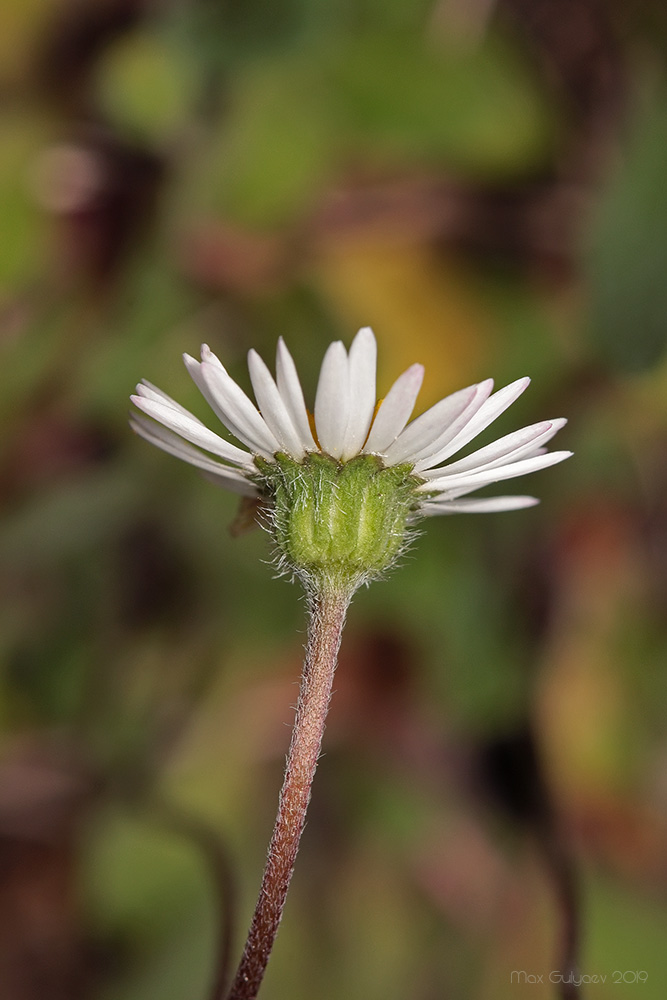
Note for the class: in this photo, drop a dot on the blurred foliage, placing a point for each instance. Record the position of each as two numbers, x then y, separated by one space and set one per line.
482 183
628 247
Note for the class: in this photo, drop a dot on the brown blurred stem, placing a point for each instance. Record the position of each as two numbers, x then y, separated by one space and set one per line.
214 853
564 878
327 609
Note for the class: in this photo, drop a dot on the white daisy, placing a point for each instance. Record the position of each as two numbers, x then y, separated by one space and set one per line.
348 423
341 492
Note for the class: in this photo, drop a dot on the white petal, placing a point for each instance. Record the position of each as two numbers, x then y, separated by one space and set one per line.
272 407
487 505
194 368
426 429
168 441
395 410
523 443
213 359
196 372
332 401
487 413
237 412
431 455
191 429
289 387
150 391
165 439
474 480
362 366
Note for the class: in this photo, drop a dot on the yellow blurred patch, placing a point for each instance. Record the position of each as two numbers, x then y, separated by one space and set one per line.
419 305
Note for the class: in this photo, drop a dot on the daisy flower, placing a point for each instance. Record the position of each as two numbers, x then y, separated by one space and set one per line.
342 489
351 453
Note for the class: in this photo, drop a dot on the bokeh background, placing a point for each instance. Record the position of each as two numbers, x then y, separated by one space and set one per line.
483 182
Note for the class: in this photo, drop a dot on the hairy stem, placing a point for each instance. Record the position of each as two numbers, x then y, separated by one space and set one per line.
327 610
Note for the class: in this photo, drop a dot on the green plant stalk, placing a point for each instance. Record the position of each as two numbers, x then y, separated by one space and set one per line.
327 610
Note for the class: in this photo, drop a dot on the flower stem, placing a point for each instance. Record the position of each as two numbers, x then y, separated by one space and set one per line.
327 610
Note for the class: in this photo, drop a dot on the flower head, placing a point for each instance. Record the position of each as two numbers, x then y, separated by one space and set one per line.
344 487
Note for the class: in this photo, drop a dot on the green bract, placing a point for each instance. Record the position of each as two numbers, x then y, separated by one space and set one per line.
339 523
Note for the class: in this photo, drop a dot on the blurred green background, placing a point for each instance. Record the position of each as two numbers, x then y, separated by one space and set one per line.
484 184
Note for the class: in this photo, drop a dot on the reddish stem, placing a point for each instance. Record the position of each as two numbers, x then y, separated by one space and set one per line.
327 617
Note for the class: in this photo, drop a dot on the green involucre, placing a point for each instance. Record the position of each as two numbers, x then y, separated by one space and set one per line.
339 523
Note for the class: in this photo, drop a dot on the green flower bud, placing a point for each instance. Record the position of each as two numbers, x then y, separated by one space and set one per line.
339 523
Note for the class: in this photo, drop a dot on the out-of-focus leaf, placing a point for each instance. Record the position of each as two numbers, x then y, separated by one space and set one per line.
627 250
152 885
386 99
279 146
146 84
139 873
412 101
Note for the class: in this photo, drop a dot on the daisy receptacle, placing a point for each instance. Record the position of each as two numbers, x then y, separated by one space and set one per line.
341 492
